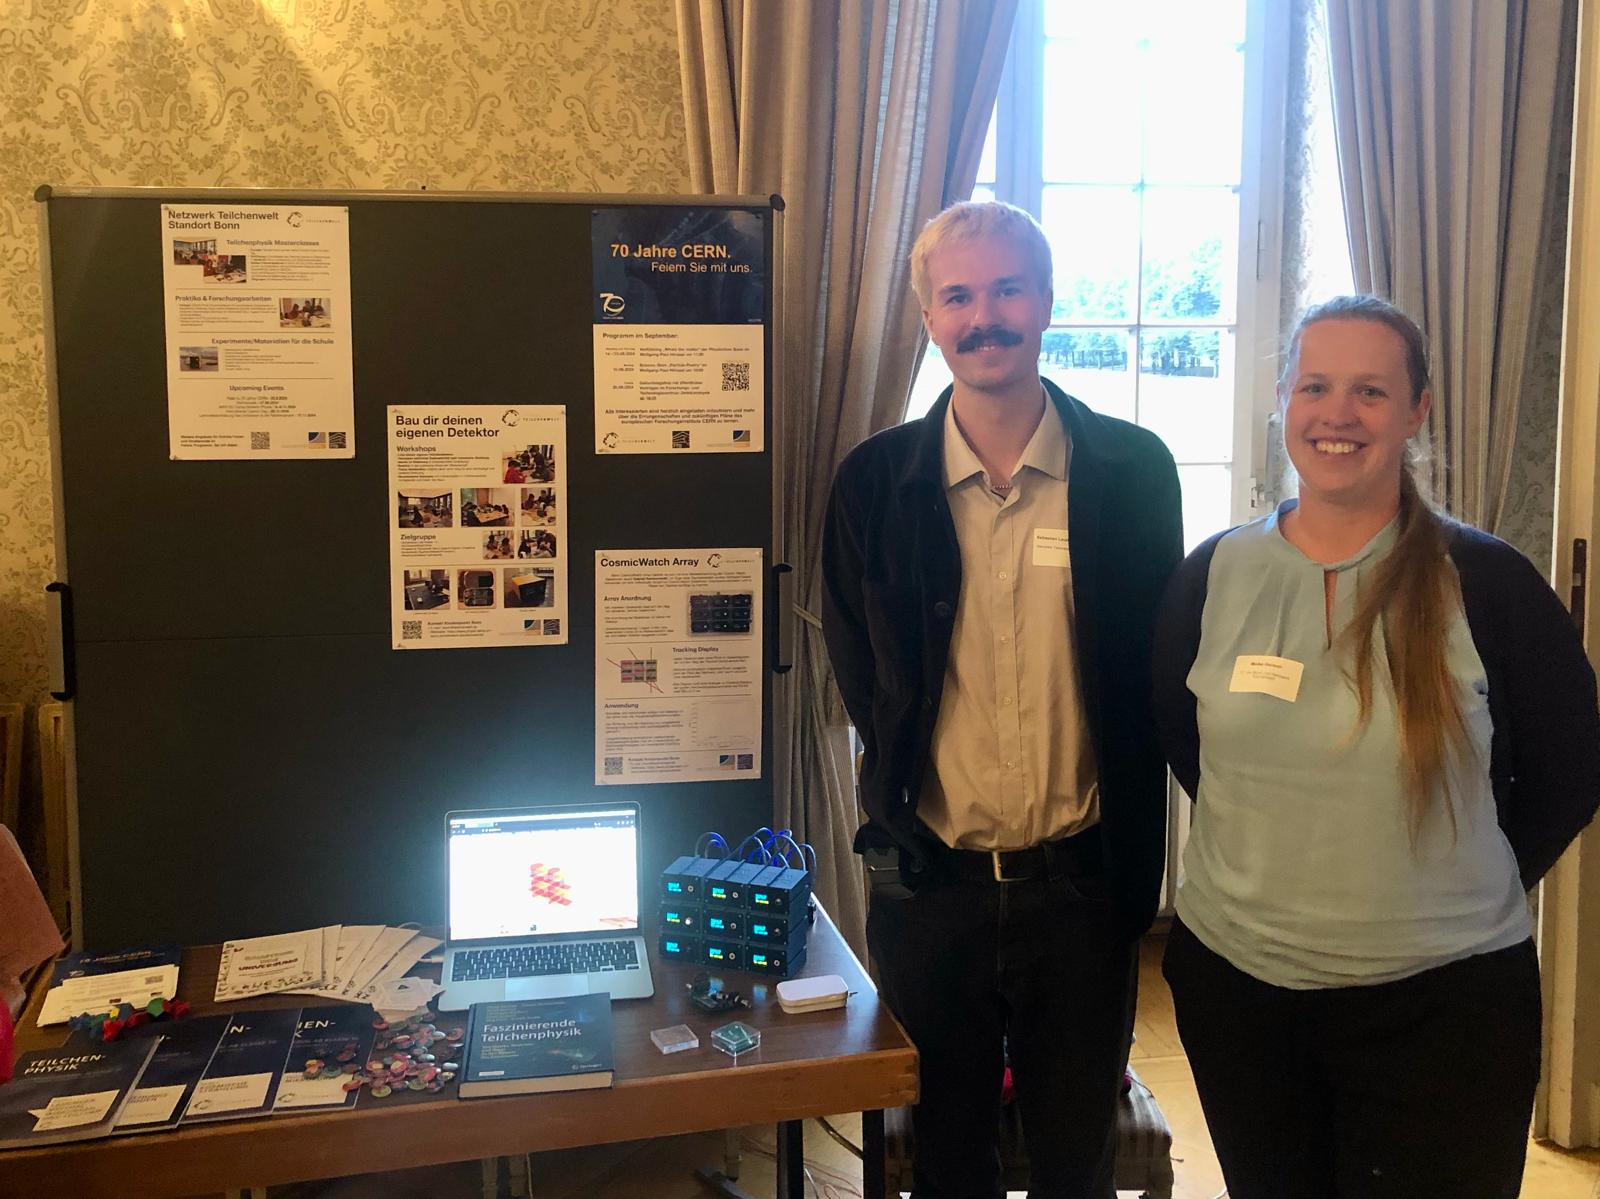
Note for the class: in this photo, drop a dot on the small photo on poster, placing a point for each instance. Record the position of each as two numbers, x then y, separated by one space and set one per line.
497 545
214 267
486 507
197 358
304 312
424 590
529 587
532 464
538 543
426 509
538 506
476 587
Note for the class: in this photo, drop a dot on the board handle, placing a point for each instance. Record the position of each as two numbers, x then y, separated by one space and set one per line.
58 614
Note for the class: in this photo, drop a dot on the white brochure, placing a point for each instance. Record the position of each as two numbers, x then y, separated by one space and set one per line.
100 992
262 965
257 304
477 517
677 665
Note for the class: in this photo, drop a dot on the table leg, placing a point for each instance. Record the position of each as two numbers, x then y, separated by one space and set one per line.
874 1157
792 1159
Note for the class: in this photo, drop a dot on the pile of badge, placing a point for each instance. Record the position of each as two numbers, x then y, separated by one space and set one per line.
411 1056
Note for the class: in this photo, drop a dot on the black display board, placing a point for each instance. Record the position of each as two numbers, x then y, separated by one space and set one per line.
250 755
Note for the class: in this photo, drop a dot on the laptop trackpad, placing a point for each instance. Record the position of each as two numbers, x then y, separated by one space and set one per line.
550 986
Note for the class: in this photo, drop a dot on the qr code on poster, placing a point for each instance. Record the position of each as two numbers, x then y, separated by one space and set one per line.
336 441
261 441
735 376
410 630
613 766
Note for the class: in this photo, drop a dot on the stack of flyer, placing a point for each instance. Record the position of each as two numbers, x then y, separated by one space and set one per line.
340 961
95 982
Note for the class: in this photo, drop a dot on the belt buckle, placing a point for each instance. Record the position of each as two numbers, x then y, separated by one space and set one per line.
999 875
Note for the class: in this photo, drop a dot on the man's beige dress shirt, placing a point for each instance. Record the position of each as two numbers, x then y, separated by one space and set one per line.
1011 764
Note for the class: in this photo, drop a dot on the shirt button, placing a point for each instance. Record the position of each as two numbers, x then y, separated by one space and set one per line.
1004 637
1006 701
1011 765
1002 575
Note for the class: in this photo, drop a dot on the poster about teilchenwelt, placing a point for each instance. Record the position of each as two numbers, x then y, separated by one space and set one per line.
680 296
477 525
258 320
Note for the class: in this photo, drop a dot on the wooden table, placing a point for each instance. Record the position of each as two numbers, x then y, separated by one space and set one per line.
852 1059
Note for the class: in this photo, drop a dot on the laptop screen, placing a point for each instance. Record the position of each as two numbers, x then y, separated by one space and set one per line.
544 872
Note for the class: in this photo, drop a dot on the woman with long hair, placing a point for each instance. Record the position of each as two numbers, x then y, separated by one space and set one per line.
1389 729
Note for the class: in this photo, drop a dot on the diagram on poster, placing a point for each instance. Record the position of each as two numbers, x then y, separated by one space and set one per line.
477 526
257 300
680 297
677 665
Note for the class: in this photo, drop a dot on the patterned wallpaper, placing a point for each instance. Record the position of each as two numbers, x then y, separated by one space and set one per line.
491 95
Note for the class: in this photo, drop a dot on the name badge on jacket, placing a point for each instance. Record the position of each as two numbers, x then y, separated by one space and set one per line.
1265 675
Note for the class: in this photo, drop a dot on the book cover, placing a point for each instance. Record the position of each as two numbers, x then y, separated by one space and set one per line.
242 1078
330 1045
182 1054
69 1094
531 1045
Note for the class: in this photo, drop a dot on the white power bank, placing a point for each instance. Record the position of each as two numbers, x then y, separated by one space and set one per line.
812 994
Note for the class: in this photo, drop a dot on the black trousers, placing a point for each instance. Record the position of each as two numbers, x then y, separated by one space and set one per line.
1419 1087
977 968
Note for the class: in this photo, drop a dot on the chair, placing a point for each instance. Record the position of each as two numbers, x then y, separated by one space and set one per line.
53 767
1144 1146
11 716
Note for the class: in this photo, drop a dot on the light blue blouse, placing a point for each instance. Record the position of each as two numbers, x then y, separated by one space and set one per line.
1300 867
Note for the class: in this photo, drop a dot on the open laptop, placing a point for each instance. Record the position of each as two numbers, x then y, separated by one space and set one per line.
544 902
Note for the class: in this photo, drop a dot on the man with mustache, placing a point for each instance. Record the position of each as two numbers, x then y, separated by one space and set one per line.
991 577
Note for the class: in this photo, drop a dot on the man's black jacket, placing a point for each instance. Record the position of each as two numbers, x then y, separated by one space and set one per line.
891 579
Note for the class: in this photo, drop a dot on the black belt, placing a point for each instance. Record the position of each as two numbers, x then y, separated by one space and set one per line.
1077 854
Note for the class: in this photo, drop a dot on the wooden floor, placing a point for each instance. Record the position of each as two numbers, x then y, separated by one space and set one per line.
664 1169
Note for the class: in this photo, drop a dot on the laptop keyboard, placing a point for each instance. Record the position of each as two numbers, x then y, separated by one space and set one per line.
529 961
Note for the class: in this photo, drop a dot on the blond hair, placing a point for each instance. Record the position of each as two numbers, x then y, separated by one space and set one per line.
1413 591
973 219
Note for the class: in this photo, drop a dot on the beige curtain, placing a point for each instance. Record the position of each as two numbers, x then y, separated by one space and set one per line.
1444 111
867 117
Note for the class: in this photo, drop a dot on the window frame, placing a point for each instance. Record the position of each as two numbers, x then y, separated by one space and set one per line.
1019 179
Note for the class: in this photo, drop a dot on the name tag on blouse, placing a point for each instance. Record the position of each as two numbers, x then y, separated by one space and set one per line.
1050 548
1266 675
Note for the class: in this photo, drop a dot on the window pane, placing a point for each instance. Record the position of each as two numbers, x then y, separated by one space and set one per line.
1193 21
932 378
1092 365
1094 239
1191 238
983 192
1091 112
1195 98
986 159
1186 391
1093 20
1179 20
1207 502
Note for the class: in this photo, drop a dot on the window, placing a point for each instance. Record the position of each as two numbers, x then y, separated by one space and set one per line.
1137 132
